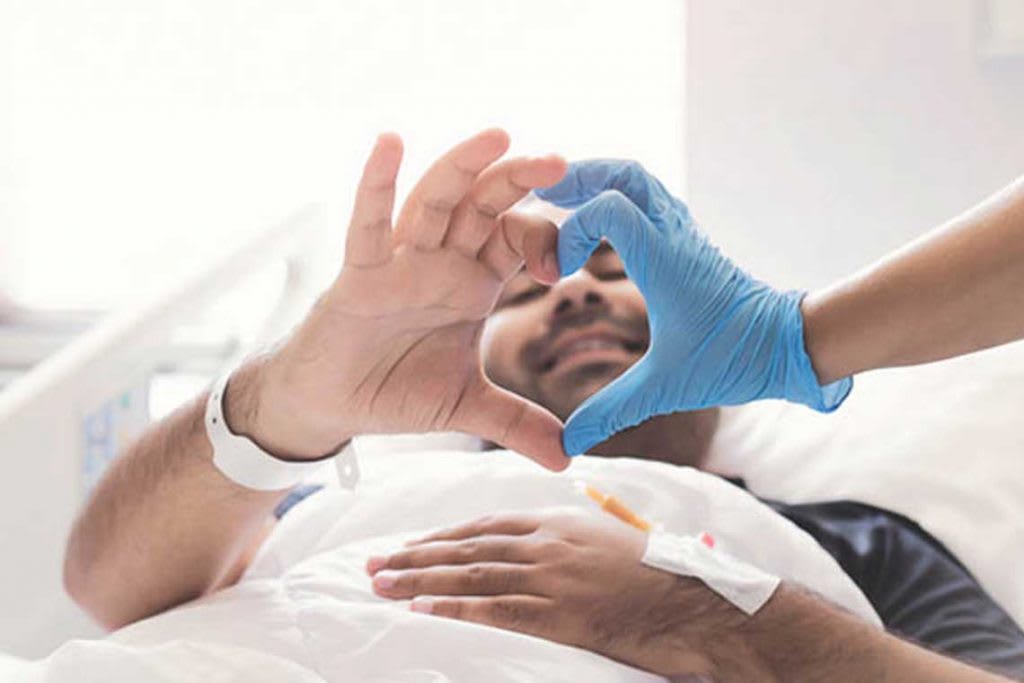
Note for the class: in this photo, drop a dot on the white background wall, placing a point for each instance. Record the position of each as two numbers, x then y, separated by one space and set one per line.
821 134
143 132
6 145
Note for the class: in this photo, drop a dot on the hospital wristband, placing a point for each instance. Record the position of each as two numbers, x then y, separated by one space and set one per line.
744 586
242 461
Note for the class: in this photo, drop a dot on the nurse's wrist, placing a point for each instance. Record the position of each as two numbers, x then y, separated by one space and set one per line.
818 337
838 334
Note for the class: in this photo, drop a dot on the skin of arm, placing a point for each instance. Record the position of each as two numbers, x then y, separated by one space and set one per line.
956 290
798 637
401 321
548 574
164 526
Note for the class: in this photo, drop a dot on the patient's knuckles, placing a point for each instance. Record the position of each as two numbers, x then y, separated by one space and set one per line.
481 576
437 536
512 523
500 549
551 549
510 614
481 526
496 580
572 568
468 550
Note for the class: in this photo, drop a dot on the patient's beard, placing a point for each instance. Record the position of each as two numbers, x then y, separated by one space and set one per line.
677 438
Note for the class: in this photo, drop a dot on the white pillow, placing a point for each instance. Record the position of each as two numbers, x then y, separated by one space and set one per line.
942 444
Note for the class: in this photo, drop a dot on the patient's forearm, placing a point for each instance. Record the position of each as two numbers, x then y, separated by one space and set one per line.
956 290
799 638
163 526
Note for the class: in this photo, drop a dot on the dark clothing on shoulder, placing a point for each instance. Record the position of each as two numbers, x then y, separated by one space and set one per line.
919 589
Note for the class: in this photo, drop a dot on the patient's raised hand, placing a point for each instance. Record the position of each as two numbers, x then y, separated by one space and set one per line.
392 345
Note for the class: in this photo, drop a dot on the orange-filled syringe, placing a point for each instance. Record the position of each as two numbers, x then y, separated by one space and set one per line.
614 506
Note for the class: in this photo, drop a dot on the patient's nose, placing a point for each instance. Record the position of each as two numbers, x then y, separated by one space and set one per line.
578 293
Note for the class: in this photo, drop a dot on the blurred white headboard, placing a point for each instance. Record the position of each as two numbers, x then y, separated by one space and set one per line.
62 422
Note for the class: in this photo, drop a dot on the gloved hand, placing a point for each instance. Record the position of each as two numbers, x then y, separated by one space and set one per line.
718 336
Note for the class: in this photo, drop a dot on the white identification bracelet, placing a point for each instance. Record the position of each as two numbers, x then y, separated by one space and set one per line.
746 587
245 463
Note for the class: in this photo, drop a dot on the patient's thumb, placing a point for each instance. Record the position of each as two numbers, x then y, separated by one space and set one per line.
509 420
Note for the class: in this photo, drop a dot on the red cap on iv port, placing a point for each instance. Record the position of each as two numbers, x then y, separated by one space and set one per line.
707 539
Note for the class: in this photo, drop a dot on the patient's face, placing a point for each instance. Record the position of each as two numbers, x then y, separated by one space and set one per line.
558 345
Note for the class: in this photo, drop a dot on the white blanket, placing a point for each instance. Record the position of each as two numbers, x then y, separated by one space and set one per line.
305 612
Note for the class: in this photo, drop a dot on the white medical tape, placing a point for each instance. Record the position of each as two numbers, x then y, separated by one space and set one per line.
746 587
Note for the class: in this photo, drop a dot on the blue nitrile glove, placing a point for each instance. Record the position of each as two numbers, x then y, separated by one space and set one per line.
718 336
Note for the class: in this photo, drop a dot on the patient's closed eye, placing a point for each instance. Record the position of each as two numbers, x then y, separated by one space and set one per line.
611 274
525 295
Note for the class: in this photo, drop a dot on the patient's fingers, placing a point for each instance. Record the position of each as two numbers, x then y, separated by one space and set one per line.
508 524
496 190
425 217
523 613
369 232
482 578
522 237
502 417
508 549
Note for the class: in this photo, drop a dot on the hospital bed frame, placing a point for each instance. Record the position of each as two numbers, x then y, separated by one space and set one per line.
63 421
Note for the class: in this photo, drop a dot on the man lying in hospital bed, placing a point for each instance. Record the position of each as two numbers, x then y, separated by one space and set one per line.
395 345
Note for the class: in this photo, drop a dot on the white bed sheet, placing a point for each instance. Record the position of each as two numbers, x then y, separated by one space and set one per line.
305 610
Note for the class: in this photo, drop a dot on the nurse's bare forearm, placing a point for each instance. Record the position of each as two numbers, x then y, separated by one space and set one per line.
956 290
799 638
164 526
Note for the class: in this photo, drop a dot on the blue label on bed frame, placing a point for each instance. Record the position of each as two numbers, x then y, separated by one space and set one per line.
108 429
